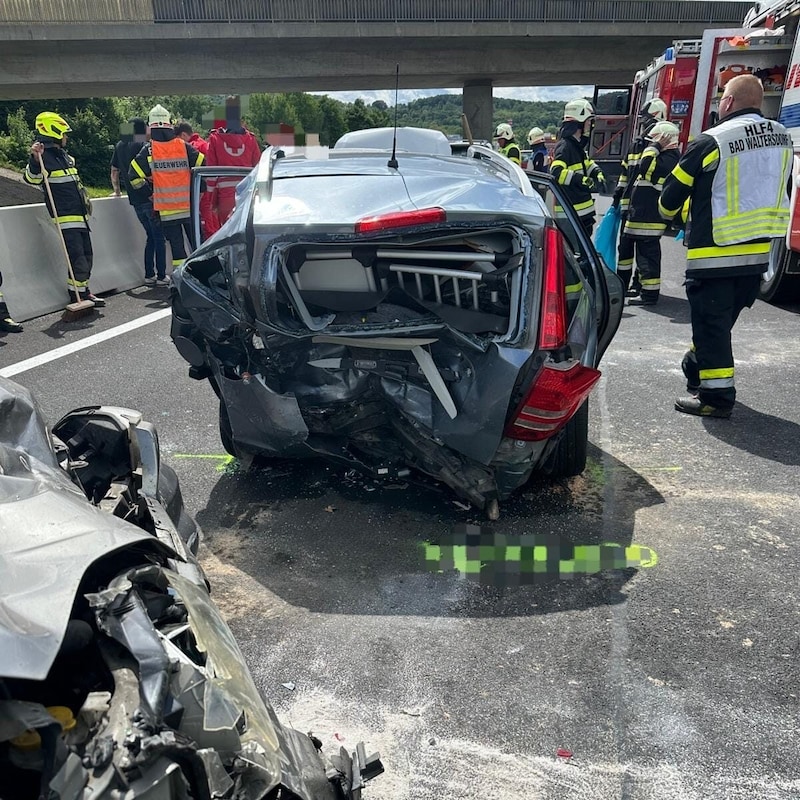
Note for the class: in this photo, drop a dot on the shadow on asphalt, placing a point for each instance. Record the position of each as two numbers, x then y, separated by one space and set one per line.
85 323
759 434
675 309
334 542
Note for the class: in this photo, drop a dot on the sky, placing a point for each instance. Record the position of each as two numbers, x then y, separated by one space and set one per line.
513 92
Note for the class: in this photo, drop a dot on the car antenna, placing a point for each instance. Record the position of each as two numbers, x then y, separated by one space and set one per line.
393 160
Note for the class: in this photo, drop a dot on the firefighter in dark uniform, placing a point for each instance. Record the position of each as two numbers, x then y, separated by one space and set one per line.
71 211
736 176
574 171
644 225
506 144
653 112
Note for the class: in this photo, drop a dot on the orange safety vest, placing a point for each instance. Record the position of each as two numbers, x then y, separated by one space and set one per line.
171 178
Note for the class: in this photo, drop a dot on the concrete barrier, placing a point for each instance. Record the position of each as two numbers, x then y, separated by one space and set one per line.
33 263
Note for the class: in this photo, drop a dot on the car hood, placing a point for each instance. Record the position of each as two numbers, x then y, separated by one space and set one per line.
50 536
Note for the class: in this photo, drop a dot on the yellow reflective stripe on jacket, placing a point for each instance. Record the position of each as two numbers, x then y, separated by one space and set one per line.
565 173
734 255
710 160
34 178
573 288
683 176
582 209
137 183
756 224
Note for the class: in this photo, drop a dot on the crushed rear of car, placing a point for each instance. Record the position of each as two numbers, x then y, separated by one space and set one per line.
400 310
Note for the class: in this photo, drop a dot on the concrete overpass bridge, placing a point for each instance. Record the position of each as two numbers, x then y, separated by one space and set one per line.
84 48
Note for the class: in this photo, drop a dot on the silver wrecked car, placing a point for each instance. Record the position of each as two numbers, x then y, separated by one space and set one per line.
118 676
390 306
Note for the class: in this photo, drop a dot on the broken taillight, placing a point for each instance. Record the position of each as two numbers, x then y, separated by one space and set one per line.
401 219
553 327
556 394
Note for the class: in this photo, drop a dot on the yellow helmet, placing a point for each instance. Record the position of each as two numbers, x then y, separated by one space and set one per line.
51 125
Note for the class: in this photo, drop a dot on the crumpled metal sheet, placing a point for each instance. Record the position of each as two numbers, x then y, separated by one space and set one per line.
51 535
261 417
231 677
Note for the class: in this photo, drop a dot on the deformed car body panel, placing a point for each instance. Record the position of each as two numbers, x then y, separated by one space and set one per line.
118 675
388 311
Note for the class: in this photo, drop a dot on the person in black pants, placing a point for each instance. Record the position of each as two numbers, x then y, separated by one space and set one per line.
736 175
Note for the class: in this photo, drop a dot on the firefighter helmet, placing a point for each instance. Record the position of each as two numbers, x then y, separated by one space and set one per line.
52 125
578 110
669 130
158 117
535 135
503 131
655 108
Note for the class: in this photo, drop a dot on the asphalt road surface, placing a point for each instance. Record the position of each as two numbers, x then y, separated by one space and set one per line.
679 680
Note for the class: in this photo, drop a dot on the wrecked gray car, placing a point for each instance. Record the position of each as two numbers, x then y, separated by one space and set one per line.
388 305
118 676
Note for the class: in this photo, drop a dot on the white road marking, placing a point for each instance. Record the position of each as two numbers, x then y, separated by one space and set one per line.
89 341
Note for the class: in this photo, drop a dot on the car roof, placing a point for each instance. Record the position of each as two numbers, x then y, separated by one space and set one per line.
413 140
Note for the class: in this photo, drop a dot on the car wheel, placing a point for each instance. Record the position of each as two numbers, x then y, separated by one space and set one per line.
569 457
777 286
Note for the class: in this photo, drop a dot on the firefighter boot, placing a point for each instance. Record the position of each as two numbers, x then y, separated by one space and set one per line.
695 406
691 372
8 325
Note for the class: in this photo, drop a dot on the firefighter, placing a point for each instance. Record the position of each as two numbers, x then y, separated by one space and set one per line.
644 225
539 156
506 143
652 112
572 168
71 204
736 177
166 162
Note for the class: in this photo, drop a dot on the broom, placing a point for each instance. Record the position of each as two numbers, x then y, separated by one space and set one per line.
80 308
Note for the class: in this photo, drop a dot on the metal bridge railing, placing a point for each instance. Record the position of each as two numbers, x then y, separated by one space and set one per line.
42 12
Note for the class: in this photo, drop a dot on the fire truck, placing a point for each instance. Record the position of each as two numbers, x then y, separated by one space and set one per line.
690 77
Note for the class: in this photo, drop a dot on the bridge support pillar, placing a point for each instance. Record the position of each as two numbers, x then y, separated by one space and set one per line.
478 106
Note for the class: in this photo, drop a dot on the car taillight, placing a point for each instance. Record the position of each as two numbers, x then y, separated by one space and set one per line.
555 395
553 327
401 219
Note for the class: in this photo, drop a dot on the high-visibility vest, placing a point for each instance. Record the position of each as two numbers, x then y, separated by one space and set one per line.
171 178
748 195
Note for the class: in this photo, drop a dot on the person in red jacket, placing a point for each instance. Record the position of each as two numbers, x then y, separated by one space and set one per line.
208 220
231 146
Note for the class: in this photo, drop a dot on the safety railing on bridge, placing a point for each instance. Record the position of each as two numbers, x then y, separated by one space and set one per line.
32 12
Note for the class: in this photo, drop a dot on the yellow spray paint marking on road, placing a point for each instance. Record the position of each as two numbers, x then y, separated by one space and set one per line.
225 459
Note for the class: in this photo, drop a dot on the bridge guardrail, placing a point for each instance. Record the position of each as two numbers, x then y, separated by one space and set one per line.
32 260
31 12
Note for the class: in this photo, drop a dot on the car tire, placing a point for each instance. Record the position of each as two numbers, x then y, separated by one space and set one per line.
569 457
776 285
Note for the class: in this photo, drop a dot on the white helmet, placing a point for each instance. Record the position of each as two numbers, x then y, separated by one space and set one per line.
668 129
535 135
578 110
158 117
655 108
503 131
